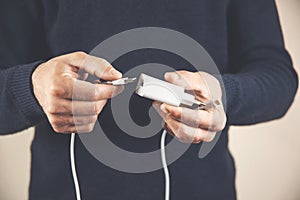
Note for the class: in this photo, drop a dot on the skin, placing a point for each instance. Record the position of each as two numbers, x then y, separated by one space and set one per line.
72 104
188 125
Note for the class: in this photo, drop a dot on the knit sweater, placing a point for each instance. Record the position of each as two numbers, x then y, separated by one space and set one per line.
242 36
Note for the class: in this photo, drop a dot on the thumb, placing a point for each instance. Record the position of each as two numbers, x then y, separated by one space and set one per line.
177 78
92 65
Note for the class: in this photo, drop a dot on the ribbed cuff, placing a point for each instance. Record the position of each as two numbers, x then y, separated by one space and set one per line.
230 92
22 94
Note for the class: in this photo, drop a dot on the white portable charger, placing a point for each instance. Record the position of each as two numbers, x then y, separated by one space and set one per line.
162 91
165 92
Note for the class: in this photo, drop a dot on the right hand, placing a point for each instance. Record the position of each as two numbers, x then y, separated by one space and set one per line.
71 104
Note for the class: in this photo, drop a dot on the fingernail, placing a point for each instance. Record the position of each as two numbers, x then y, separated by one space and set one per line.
171 76
163 109
116 73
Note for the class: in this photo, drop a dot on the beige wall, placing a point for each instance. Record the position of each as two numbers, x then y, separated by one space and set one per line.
267 155
15 165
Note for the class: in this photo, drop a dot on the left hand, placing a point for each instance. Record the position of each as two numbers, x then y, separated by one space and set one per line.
188 125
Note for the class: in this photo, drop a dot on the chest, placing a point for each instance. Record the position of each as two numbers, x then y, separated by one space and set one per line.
81 25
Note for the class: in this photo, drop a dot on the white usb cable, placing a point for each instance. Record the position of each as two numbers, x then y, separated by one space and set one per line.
73 166
122 81
165 164
163 159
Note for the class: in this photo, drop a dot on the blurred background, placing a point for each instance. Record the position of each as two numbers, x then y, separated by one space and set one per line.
267 156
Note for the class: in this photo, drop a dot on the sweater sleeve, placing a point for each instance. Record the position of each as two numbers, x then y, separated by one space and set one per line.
262 83
22 41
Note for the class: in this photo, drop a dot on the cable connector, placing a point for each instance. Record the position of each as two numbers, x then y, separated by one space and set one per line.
122 81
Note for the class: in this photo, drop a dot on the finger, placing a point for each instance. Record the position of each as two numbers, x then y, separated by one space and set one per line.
67 107
203 85
85 128
196 118
166 127
210 120
176 128
186 79
187 134
86 91
69 120
92 65
87 108
156 105
83 90
75 129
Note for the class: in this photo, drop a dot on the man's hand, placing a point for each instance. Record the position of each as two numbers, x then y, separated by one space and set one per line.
193 126
70 103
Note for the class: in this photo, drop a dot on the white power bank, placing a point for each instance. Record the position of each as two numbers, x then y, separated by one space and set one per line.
162 91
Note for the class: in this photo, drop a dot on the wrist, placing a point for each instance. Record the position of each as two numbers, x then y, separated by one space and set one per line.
21 93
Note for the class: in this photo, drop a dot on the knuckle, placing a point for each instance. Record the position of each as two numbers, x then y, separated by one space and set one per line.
183 72
107 66
208 123
80 54
213 126
93 119
96 108
199 138
56 65
90 128
97 93
168 120
174 112
197 141
57 90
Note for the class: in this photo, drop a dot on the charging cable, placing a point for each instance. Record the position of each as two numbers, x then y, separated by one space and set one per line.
163 159
165 164
122 81
73 167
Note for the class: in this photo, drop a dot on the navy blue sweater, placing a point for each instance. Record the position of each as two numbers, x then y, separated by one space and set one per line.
242 36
